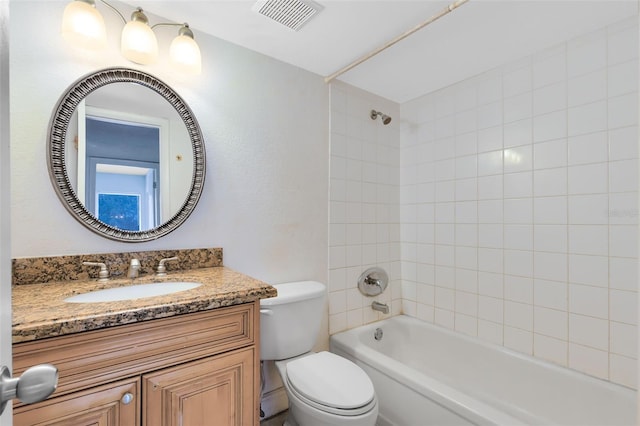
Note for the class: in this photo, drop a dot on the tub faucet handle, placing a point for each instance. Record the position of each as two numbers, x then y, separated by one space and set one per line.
103 275
162 270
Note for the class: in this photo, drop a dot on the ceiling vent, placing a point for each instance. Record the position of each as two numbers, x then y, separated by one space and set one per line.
290 13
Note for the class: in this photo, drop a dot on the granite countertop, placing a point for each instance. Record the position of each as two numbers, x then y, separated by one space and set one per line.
39 310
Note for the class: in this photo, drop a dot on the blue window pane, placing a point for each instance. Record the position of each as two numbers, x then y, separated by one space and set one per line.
120 211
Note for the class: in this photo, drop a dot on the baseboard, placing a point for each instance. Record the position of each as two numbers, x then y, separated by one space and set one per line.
274 402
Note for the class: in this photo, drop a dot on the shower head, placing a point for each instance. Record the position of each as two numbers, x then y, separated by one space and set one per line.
385 118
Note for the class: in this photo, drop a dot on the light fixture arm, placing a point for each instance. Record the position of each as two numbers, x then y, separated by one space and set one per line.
184 28
112 8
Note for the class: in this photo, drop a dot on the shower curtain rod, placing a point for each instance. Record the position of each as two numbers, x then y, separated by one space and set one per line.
395 40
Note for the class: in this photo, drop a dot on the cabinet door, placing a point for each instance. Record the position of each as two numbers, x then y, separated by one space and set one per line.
115 404
218 390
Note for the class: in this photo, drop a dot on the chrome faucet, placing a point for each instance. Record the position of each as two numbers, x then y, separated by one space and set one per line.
134 268
103 275
382 307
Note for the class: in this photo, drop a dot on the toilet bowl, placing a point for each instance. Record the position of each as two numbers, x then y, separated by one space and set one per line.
323 388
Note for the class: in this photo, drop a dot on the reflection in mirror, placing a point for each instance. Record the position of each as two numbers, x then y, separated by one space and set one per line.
133 156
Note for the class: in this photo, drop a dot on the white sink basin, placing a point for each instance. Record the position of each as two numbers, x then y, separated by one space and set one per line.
131 292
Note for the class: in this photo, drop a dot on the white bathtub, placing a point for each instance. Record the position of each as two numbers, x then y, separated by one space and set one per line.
427 375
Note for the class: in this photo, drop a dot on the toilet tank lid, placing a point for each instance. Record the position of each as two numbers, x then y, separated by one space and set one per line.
295 291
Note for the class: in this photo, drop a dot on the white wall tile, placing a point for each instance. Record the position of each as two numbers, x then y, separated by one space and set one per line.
518 159
490 284
517 107
518 340
517 133
622 78
489 115
623 370
591 361
589 331
517 81
550 126
591 270
589 209
521 187
623 175
588 300
550 266
623 273
588 179
550 98
550 294
490 211
518 185
551 238
624 339
623 45
551 349
518 262
589 239
550 182
623 143
490 163
518 210
490 187
490 139
491 309
623 306
518 237
623 110
518 289
551 323
550 154
587 88
588 118
623 241
588 148
550 210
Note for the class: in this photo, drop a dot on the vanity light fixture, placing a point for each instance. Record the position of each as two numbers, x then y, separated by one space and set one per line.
83 25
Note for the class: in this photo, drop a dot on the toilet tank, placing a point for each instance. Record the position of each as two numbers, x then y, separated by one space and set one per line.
290 322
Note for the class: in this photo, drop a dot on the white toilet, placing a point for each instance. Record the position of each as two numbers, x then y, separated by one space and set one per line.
324 389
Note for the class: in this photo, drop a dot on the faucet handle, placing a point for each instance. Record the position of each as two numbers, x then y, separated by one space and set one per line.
103 275
162 270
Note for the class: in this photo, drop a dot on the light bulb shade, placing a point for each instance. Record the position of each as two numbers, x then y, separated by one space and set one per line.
83 25
139 43
184 55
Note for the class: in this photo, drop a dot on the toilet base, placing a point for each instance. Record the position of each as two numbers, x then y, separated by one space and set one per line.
301 414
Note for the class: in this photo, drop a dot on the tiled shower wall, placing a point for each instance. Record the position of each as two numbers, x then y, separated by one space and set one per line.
519 195
364 224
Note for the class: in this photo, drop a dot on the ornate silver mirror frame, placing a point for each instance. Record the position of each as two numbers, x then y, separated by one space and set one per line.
59 124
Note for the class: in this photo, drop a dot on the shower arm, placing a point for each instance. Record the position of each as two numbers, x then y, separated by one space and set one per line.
395 40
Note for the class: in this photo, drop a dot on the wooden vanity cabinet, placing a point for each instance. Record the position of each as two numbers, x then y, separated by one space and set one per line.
195 369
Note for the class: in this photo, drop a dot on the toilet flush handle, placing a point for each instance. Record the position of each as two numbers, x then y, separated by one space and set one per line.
266 312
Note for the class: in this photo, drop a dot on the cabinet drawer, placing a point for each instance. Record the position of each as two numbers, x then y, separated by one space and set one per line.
101 356
103 405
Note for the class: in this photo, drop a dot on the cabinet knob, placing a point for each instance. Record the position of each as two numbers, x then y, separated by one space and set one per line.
127 398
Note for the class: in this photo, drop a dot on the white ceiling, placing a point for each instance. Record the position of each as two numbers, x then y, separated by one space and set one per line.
473 38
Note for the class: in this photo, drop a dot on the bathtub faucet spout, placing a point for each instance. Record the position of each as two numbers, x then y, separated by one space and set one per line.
382 307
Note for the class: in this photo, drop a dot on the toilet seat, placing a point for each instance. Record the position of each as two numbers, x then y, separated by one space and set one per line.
331 383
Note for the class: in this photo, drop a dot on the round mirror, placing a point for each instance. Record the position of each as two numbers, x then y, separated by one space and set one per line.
126 155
